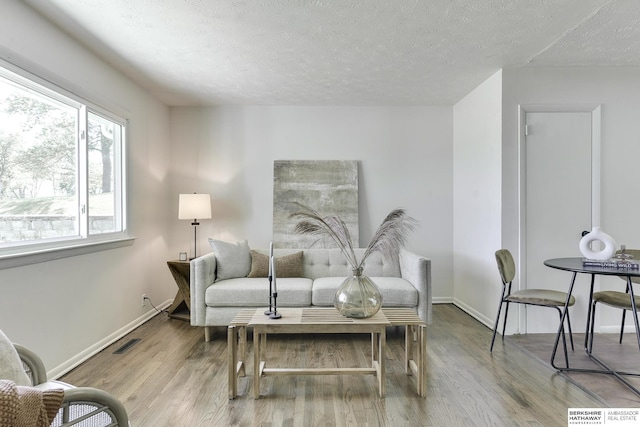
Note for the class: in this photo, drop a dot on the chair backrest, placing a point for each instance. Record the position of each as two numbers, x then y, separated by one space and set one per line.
506 265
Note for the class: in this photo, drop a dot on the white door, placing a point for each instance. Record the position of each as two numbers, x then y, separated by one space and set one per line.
558 206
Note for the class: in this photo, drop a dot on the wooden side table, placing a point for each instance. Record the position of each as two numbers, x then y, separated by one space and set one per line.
181 307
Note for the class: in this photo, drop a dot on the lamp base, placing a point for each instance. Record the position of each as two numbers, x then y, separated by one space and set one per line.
195 224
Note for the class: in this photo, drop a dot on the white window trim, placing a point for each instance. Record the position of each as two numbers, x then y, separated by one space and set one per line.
44 253
33 253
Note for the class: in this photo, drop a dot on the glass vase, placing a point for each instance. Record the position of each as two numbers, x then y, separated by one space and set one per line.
358 296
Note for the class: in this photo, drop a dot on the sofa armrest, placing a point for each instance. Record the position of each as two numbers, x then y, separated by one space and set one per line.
417 270
202 275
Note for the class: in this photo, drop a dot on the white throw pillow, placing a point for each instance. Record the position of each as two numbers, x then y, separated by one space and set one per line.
10 363
233 260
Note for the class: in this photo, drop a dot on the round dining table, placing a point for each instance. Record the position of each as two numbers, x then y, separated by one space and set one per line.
581 266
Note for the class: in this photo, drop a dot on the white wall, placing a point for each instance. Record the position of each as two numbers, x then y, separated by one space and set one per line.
405 156
618 91
486 167
63 309
477 160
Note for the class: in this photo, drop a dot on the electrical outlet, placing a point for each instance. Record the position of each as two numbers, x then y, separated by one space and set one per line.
144 300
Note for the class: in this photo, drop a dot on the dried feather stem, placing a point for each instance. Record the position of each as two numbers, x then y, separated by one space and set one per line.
390 236
314 224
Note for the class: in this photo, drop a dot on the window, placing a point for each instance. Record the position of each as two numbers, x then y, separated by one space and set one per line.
62 177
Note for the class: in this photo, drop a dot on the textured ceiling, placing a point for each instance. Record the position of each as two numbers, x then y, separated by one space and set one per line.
342 52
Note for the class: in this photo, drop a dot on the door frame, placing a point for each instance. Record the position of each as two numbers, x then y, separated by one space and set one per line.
596 142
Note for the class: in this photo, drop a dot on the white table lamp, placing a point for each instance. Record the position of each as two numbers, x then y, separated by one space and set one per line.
194 207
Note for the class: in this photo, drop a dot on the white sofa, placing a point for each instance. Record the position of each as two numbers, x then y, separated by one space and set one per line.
214 302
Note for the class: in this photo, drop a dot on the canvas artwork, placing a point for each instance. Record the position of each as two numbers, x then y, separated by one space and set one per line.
327 186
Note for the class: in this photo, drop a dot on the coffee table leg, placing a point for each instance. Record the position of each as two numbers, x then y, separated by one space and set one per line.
256 363
242 350
408 347
381 362
374 348
422 361
233 358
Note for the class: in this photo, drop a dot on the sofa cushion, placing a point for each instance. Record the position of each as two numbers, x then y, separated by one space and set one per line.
286 266
232 259
396 292
254 292
331 262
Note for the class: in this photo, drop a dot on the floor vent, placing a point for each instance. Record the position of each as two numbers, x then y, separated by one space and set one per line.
127 346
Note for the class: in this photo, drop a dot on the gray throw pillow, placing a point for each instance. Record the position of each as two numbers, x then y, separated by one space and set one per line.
233 260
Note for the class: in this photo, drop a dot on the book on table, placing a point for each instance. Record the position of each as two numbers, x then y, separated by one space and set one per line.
617 263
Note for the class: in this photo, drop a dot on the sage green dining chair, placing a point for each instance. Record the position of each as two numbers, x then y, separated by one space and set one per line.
617 299
537 297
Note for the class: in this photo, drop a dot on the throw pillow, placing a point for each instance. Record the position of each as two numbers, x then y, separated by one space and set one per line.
286 266
233 260
10 363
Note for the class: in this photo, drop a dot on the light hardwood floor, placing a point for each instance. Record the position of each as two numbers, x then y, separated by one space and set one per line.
623 357
173 378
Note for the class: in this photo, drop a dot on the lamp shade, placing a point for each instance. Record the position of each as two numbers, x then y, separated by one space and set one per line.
194 206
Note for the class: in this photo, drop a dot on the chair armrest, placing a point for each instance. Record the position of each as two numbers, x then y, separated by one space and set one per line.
34 367
98 403
417 270
202 275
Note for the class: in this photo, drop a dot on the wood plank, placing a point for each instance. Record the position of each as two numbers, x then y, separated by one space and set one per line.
318 371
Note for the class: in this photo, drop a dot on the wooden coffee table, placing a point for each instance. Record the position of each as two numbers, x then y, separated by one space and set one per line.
317 320
415 343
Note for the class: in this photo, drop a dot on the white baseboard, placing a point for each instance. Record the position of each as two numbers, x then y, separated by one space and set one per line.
466 308
604 329
615 329
65 367
473 313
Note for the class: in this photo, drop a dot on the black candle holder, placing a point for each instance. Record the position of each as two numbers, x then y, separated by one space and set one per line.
275 314
270 311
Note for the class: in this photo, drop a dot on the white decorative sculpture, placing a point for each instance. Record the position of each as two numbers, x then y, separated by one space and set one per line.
608 242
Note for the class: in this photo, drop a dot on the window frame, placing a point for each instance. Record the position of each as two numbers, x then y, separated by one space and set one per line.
33 251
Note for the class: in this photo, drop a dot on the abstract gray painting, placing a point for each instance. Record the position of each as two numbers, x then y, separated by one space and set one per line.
327 186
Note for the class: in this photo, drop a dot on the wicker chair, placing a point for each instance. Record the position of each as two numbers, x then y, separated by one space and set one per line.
81 406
